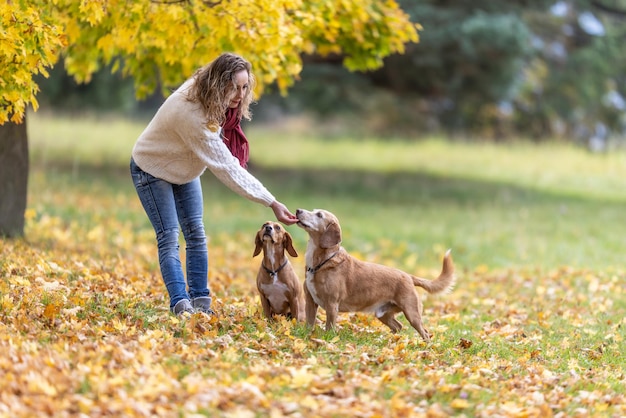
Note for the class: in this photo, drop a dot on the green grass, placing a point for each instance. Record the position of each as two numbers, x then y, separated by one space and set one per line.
534 326
495 205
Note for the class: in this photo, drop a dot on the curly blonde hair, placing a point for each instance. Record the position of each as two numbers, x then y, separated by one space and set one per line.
214 86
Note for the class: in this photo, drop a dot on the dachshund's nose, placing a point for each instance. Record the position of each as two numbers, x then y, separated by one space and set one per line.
268 228
298 212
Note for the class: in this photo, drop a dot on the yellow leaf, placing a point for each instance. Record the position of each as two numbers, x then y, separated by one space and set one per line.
38 385
301 378
459 403
51 310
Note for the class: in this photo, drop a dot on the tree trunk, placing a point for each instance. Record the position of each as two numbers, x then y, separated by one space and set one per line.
13 178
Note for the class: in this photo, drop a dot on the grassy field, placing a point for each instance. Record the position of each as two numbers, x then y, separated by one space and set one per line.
534 327
495 206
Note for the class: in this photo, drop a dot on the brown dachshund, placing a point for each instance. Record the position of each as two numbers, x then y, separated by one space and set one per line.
279 287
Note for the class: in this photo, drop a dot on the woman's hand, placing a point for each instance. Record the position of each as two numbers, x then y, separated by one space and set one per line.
282 213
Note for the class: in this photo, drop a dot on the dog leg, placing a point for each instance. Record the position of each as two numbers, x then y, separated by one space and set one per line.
331 315
389 319
415 319
310 308
296 309
267 310
411 306
386 314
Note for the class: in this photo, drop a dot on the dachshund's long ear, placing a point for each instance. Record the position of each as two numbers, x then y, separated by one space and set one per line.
258 242
331 236
288 243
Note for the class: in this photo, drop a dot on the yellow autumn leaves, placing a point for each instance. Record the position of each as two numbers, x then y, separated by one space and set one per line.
29 44
85 329
166 41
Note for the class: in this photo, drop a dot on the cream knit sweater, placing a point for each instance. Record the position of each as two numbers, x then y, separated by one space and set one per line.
178 147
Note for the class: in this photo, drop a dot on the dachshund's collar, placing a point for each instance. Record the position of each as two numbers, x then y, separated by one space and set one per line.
314 270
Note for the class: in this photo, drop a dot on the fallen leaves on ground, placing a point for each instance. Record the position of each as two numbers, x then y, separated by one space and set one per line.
85 331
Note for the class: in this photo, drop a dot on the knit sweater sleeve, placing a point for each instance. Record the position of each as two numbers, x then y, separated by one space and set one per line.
177 146
219 160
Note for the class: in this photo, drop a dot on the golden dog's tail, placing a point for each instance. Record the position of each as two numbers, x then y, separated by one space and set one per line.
446 280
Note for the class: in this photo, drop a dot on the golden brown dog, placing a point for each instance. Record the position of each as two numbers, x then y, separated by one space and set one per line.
338 282
277 282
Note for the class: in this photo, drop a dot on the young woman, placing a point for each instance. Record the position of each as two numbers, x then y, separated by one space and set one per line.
196 128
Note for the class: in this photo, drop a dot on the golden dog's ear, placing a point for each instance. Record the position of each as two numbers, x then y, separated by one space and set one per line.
288 244
331 236
258 242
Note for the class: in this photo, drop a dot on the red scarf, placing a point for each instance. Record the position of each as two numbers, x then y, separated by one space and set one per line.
234 138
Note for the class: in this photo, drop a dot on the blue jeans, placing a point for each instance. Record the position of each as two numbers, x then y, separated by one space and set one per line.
168 206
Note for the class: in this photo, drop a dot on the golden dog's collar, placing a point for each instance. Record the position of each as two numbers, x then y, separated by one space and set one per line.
319 266
274 273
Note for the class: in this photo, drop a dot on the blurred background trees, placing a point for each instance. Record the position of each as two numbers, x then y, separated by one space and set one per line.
158 44
486 68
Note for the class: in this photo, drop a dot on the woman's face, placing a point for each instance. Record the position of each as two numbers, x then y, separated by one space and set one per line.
236 93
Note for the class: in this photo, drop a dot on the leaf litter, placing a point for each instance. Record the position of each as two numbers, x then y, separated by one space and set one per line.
85 331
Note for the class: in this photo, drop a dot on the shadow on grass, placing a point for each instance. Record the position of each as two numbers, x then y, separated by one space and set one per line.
486 222
398 188
496 224
407 188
